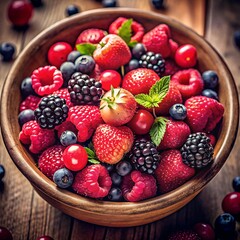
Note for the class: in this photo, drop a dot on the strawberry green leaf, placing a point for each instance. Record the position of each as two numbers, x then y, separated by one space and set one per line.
125 31
86 48
132 43
144 100
92 158
93 161
160 88
158 130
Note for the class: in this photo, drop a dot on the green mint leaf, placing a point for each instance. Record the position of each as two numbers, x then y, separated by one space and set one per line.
93 161
132 43
86 48
90 153
158 129
160 88
125 31
144 100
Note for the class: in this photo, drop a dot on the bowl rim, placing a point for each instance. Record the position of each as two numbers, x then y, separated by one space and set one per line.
34 175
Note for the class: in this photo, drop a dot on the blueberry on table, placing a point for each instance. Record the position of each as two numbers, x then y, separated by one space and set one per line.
37 3
63 178
2 173
210 79
210 94
115 194
5 234
237 38
26 116
109 3
71 10
158 4
7 51
236 184
178 111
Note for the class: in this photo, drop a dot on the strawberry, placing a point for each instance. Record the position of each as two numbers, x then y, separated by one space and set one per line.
91 35
203 113
170 67
184 235
189 82
111 46
171 171
157 40
139 80
173 96
31 102
111 143
137 28
51 160
175 135
86 119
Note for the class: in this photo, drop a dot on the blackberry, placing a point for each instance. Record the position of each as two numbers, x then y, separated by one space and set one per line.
84 90
51 111
144 156
197 152
152 61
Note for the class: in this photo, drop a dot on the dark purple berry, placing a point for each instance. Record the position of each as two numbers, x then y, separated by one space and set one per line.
138 50
178 111
63 178
72 56
109 167
37 3
67 138
210 79
236 184
109 3
237 38
5 234
67 69
2 172
85 64
115 194
7 51
71 10
25 116
158 4
26 87
133 64
123 168
210 94
116 179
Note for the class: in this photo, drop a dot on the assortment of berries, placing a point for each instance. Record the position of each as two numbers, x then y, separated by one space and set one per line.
122 115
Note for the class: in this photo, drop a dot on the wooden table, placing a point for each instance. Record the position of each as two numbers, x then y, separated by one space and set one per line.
28 216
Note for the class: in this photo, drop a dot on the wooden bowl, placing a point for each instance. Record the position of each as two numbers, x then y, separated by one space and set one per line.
103 212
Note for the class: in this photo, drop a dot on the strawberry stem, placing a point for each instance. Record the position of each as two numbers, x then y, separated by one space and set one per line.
122 71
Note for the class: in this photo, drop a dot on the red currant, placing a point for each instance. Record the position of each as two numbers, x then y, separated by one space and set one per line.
141 122
45 238
75 157
5 234
204 231
110 78
186 56
20 12
231 203
58 52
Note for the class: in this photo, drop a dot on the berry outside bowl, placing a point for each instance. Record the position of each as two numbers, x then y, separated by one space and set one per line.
108 213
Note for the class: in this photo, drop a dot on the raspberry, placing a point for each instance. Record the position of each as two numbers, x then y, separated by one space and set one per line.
138 186
93 181
66 125
189 82
170 67
31 102
46 80
40 139
51 160
63 93
86 119
174 46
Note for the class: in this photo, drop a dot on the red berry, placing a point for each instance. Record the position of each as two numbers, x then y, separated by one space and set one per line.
184 235
110 78
46 80
75 157
170 67
45 238
91 35
20 12
93 181
186 56
51 160
31 102
58 52
204 231
141 122
231 203
5 234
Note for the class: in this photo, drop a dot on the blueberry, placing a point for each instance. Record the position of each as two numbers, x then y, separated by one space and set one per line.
109 3
85 64
2 172
133 64
63 178
236 184
123 168
178 111
109 167
67 69
237 38
72 56
158 4
210 94
210 79
138 50
225 226
26 87
116 179
115 194
25 116
37 3
7 51
67 138
71 10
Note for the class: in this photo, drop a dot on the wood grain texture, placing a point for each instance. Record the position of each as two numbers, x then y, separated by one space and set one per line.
205 207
